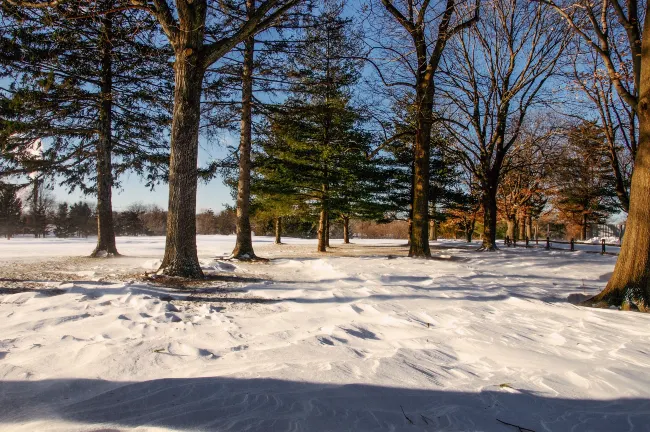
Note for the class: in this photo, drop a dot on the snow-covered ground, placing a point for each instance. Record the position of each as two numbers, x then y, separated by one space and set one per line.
358 339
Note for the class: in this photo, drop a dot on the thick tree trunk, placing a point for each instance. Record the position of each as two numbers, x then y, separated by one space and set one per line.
630 282
180 257
419 244
529 227
346 230
105 229
583 226
278 230
244 243
489 202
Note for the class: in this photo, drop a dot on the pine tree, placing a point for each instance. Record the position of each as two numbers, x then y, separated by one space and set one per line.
585 184
315 148
62 228
81 219
10 210
97 91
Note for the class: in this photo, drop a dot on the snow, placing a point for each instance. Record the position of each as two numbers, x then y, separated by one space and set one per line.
359 339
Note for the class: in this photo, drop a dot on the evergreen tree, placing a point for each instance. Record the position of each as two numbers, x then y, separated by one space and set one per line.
62 224
82 220
585 184
93 86
10 210
315 148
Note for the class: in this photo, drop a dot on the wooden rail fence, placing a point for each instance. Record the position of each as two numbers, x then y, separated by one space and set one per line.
548 245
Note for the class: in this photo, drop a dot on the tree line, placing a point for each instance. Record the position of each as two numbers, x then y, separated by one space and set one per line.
380 110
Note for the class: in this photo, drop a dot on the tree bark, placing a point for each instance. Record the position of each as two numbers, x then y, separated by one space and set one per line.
489 201
278 230
583 226
346 230
510 232
327 229
322 227
105 229
529 226
522 228
630 282
181 257
419 244
244 243
469 232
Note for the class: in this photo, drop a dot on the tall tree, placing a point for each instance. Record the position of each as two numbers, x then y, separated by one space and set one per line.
93 87
200 33
423 28
626 55
494 75
585 188
616 119
244 242
10 210
316 147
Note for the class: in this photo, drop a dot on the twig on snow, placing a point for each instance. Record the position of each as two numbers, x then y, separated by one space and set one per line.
519 428
405 416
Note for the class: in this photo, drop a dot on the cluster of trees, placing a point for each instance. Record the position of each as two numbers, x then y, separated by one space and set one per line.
432 112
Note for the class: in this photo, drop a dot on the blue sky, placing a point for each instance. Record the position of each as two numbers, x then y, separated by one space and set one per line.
213 195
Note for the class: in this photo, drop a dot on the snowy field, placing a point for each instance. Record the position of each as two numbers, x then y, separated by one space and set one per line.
359 339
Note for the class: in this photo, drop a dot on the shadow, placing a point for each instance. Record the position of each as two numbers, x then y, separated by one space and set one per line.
47 292
224 403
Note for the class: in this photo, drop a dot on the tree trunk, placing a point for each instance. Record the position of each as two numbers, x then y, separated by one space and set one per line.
35 213
489 217
105 229
327 229
510 232
180 257
419 244
278 230
346 230
433 230
469 232
529 227
522 228
630 282
583 226
244 243
322 227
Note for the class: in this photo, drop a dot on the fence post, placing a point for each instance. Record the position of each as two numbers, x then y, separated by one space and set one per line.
603 243
573 247
548 243
527 240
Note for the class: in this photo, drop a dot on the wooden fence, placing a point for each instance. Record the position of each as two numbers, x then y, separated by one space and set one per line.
572 246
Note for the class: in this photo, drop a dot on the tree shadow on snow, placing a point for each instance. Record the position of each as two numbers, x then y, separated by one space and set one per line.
221 403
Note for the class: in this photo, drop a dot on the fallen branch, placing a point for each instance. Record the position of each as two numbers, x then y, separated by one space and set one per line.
519 428
405 416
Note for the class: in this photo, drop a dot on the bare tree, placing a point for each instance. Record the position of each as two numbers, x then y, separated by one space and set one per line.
414 41
493 76
614 31
615 118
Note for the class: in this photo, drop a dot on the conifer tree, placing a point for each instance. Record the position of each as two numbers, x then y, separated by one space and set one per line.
10 210
95 88
315 148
